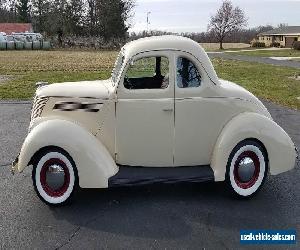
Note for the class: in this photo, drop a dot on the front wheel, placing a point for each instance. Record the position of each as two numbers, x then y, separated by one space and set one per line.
247 169
54 177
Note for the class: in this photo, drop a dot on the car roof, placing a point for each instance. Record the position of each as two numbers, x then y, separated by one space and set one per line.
161 42
171 42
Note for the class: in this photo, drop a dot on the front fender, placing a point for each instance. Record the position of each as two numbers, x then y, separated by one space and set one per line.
279 146
94 163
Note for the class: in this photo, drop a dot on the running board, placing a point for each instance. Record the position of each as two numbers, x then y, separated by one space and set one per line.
133 176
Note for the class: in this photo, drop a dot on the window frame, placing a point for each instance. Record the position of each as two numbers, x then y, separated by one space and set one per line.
197 92
124 93
119 63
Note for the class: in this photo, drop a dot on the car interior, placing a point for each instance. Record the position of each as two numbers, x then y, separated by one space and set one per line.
148 73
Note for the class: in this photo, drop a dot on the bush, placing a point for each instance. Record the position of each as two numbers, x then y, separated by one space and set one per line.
258 45
296 45
275 44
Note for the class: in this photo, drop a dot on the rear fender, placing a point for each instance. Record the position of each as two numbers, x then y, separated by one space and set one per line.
279 146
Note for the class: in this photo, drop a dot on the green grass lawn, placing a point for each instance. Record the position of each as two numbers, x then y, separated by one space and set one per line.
271 53
226 46
265 81
25 68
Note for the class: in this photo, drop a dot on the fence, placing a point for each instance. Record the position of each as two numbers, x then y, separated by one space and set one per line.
18 45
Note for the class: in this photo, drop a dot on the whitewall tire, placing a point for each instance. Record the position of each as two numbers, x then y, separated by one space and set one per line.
54 176
247 169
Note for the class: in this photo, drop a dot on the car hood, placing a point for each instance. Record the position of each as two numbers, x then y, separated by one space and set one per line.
233 90
85 89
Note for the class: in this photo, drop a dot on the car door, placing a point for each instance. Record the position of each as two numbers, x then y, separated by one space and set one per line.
145 112
194 127
200 112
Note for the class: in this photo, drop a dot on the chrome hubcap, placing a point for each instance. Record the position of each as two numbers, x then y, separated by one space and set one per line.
246 169
55 177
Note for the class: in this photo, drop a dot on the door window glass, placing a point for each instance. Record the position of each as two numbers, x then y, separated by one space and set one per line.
148 73
188 75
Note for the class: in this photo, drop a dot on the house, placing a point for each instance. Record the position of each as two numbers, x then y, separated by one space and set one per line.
285 36
10 28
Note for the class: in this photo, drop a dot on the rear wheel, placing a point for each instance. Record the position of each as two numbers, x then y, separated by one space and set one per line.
54 177
247 169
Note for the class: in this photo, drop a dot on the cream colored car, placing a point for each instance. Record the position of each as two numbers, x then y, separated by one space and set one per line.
163 116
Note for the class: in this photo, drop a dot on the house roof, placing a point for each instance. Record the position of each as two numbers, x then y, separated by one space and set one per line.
9 28
287 30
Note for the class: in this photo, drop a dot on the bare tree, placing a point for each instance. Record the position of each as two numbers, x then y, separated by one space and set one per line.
283 25
227 20
8 12
40 11
109 18
23 10
106 20
91 16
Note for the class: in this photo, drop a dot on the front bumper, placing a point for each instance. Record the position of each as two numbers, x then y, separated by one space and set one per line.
14 165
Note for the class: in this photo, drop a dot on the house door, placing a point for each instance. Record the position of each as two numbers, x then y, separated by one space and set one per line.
289 41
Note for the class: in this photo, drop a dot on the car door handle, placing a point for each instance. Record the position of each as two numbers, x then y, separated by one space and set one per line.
168 110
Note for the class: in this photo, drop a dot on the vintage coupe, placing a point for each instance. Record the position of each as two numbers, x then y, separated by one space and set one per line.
163 116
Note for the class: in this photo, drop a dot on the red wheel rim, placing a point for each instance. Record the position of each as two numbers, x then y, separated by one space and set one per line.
43 178
237 178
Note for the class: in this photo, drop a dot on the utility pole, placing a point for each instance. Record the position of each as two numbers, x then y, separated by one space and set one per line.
148 20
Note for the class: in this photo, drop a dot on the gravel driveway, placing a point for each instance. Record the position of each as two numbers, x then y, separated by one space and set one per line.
185 216
257 59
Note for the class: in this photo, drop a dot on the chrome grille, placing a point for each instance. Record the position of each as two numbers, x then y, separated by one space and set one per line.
38 106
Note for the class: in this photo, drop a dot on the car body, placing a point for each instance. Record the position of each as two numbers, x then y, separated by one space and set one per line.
164 115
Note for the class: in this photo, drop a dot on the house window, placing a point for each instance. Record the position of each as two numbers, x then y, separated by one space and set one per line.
281 38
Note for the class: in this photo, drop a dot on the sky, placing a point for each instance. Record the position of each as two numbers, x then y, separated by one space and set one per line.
194 15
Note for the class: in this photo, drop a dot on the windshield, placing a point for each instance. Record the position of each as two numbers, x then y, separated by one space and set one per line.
117 68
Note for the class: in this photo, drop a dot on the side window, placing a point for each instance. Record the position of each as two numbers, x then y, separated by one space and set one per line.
148 73
188 75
